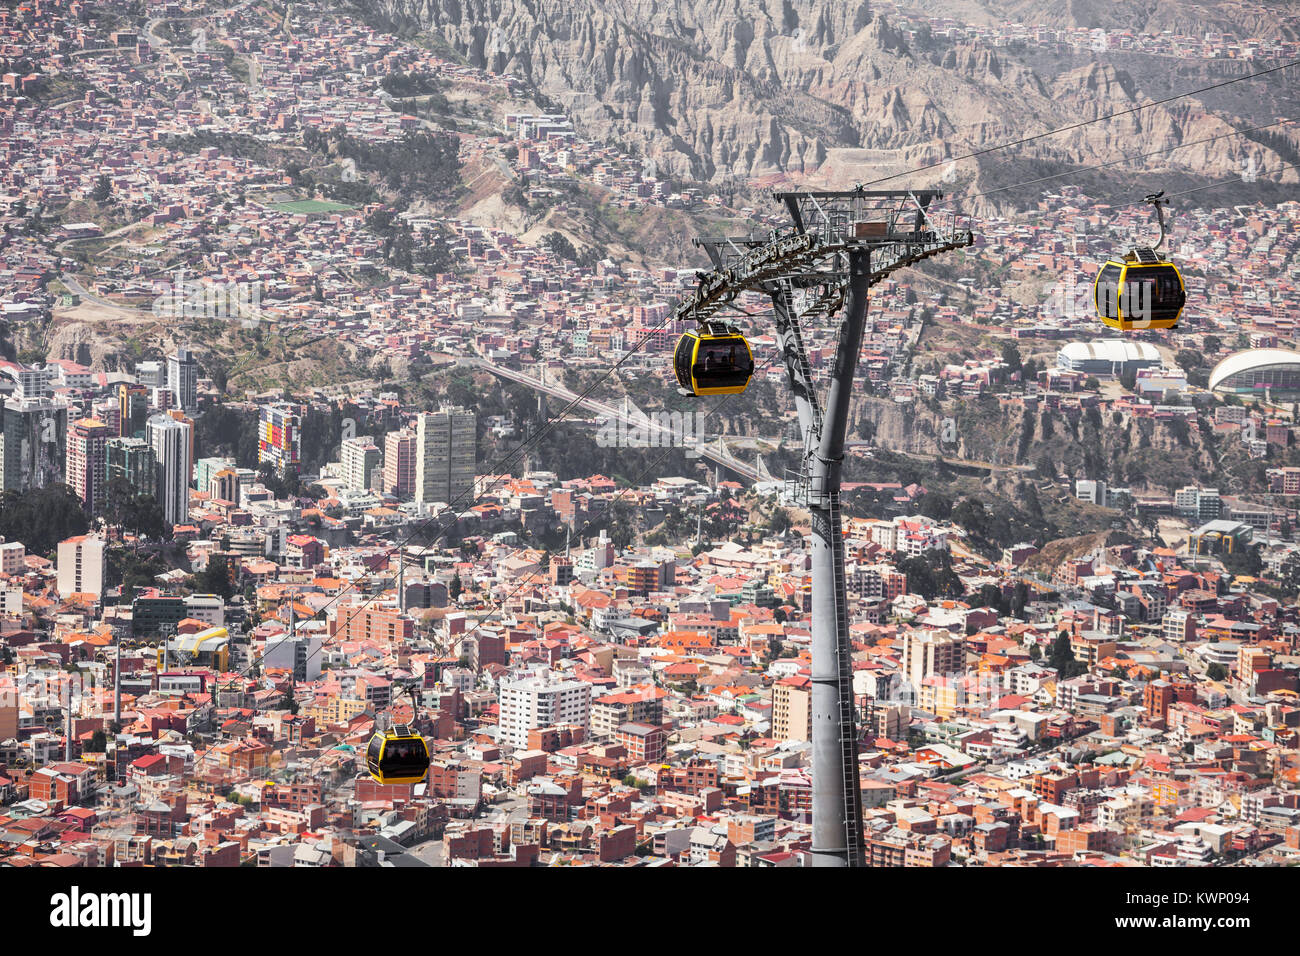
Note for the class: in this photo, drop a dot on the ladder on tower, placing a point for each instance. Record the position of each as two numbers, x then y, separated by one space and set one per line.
846 724
805 369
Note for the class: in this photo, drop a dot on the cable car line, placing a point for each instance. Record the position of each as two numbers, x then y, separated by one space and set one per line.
1225 182
714 359
1115 162
1080 125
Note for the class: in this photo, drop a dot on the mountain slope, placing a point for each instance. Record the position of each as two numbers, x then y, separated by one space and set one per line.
747 88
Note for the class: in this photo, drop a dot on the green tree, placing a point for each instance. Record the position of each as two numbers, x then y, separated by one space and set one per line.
1019 598
1011 356
935 505
130 569
141 515
103 188
621 529
1216 672
930 575
971 514
560 245
215 578
456 587
1061 658
42 517
1244 562
780 521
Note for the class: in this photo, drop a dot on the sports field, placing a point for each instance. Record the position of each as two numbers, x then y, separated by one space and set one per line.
311 206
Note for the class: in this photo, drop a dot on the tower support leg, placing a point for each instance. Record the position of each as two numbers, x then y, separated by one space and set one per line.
836 798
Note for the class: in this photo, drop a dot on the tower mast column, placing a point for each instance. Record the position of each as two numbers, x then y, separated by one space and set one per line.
836 797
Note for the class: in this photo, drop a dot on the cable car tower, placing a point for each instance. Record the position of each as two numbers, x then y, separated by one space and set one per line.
841 244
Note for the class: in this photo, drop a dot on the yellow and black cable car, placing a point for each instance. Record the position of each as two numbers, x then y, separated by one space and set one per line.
397 755
1142 290
714 359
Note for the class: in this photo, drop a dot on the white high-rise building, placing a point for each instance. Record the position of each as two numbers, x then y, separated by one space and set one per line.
540 700
13 557
360 458
936 652
1094 492
183 380
81 566
445 454
171 446
301 652
151 374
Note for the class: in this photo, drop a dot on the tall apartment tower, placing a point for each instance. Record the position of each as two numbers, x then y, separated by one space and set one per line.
87 467
360 457
792 708
81 566
33 432
183 380
132 459
445 454
540 700
927 653
133 409
170 439
399 464
279 438
33 442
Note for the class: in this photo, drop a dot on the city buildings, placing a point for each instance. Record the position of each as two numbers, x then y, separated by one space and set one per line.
183 379
399 464
81 566
1167 733
133 409
280 436
171 441
540 701
34 437
87 469
792 708
445 455
1198 504
932 652
360 459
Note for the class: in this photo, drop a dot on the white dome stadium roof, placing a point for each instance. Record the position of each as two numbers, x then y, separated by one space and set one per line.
1110 350
1251 359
